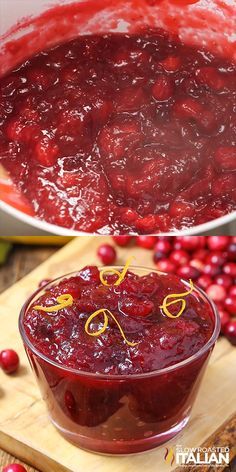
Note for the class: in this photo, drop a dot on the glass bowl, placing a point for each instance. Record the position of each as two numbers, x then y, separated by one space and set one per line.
120 414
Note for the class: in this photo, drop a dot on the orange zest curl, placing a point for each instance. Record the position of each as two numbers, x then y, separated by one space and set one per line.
63 301
176 296
121 275
106 313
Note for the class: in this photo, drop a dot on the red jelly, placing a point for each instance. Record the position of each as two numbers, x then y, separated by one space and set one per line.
129 386
122 133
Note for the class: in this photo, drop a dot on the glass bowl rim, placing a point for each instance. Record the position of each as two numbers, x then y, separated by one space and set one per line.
102 376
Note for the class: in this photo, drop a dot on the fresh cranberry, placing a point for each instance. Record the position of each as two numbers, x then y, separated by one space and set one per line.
230 305
211 269
179 257
199 265
191 243
224 318
230 269
224 280
188 272
165 265
9 361
231 251
232 291
218 243
216 257
204 281
163 246
14 468
122 240
106 254
200 254
216 292
146 242
230 332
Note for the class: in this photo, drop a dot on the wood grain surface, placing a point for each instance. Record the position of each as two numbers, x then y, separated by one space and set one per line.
213 417
21 261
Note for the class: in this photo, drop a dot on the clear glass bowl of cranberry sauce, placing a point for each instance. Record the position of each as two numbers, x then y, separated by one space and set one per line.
125 382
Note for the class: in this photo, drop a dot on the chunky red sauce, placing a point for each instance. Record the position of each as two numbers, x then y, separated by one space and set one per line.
135 303
119 133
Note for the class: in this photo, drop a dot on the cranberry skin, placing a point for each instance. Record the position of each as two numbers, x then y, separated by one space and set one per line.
163 246
218 243
232 291
191 243
216 292
211 269
179 257
146 242
232 252
230 332
230 269
224 280
163 88
217 257
188 272
230 305
14 468
204 281
165 265
224 318
107 254
200 254
122 240
9 361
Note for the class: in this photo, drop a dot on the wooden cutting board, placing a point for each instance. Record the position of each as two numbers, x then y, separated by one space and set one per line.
25 429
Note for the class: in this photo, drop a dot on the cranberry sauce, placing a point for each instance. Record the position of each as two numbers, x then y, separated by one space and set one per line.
159 341
119 133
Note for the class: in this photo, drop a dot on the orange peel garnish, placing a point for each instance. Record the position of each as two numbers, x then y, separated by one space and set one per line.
106 313
63 301
121 275
167 303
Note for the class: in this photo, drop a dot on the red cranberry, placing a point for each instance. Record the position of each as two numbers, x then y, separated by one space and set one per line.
163 88
188 272
163 246
122 240
200 254
14 468
9 361
106 254
217 258
216 292
165 265
146 242
204 281
179 257
232 252
224 318
211 269
224 280
190 243
230 332
198 264
218 243
232 291
230 305
230 269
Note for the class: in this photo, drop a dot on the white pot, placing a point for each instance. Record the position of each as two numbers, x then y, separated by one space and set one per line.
214 27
